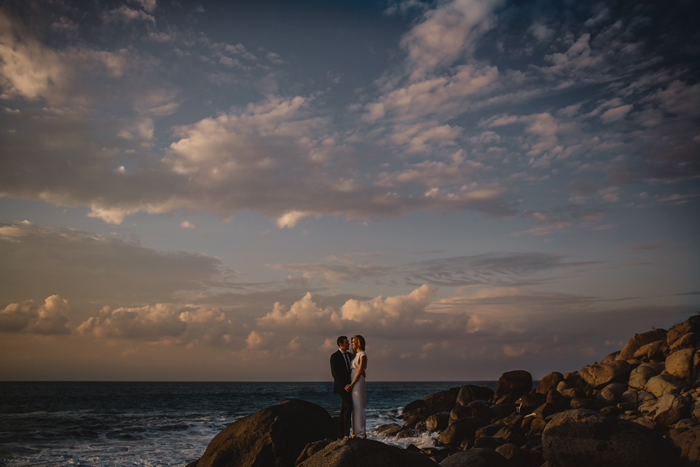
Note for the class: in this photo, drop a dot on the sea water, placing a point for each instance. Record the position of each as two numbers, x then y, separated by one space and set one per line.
164 424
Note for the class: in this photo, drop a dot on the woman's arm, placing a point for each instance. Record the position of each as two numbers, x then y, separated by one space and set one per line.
360 372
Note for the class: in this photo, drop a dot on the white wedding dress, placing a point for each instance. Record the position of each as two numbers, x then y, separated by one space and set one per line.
359 396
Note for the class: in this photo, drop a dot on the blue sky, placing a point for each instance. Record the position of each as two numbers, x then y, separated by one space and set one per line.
198 191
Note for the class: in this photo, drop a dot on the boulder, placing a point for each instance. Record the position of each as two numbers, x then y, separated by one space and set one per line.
389 429
530 402
272 436
630 397
442 401
458 431
678 331
689 444
476 458
639 340
365 452
438 421
556 398
582 403
601 374
671 408
549 382
500 411
487 442
680 364
513 453
663 384
514 383
610 394
411 406
584 438
536 427
469 393
641 375
652 350
686 341
611 357
408 433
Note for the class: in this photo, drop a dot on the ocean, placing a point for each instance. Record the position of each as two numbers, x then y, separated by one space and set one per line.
163 424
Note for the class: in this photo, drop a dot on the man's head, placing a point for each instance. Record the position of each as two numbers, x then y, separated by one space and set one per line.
343 343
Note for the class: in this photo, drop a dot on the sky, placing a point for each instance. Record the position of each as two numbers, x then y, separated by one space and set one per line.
214 191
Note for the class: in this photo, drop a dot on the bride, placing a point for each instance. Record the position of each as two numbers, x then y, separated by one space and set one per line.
358 387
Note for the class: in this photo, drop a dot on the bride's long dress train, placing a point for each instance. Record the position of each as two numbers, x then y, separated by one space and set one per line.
359 397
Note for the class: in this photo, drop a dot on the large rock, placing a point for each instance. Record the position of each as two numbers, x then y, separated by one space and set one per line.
458 431
514 383
549 382
686 341
678 331
470 393
364 452
602 374
663 384
274 436
689 444
641 375
610 394
680 364
438 421
478 457
639 340
671 408
652 350
584 438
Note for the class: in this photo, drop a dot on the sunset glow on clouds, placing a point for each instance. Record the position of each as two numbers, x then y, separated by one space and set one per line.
214 191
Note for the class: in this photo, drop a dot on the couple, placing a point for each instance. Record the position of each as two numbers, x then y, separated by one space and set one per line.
348 371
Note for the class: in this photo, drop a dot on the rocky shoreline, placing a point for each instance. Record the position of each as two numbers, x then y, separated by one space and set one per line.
639 406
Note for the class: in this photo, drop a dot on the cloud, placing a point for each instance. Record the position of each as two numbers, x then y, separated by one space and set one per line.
48 319
163 322
88 268
126 14
445 33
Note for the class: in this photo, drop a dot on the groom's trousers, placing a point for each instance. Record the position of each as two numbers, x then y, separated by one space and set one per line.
345 414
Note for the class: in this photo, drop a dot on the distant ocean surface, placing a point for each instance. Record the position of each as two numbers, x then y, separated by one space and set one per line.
162 424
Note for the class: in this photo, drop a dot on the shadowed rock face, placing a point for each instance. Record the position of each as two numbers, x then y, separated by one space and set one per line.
584 438
274 436
365 453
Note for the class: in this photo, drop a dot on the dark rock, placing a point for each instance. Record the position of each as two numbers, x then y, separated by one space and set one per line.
513 453
454 434
639 340
584 438
476 458
193 463
408 433
514 383
364 452
389 429
487 442
689 444
602 374
514 419
488 430
470 393
546 410
419 404
311 449
438 421
530 402
442 401
511 434
460 412
272 436
557 399
500 411
610 394
536 427
549 382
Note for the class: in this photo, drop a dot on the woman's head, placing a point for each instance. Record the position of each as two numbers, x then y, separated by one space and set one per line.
358 342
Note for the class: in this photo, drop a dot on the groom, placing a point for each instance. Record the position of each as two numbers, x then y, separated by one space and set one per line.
340 368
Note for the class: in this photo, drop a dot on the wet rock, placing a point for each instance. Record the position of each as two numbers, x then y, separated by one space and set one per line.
364 452
602 374
476 458
388 430
272 436
638 340
438 421
514 384
408 433
584 438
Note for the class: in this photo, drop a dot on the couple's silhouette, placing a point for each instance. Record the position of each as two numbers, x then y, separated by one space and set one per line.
348 369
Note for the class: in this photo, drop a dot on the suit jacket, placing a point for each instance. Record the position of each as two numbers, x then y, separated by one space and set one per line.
341 374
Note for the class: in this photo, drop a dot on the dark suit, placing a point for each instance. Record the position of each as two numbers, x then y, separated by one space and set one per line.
341 378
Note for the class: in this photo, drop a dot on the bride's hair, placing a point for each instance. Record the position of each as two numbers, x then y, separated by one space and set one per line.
361 340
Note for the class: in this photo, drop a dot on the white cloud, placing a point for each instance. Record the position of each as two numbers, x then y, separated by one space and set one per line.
47 319
615 113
